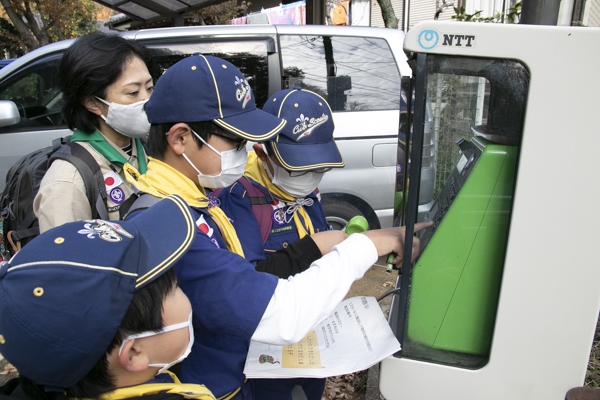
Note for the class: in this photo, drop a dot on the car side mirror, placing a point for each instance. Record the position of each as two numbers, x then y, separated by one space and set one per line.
9 114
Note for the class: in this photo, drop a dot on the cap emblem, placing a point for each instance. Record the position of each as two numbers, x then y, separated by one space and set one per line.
307 125
243 93
105 230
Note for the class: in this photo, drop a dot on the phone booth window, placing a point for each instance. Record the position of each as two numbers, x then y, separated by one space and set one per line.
473 113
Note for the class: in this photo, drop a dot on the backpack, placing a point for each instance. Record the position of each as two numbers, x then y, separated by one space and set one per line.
18 223
261 207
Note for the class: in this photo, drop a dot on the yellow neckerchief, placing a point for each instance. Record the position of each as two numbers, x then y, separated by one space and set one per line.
256 171
162 180
187 390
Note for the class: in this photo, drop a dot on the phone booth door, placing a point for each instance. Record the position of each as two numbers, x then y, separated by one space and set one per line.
460 173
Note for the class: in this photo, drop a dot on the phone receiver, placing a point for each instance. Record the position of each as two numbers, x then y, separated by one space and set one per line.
357 224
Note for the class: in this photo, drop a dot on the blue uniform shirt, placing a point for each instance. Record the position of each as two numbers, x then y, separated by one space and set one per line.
235 202
229 298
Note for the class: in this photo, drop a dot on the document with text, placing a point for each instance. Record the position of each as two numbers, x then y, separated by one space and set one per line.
353 338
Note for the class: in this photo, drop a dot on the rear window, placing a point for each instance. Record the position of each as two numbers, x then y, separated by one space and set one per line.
352 73
250 56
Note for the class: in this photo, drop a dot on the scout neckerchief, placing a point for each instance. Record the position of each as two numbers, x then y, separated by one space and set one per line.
162 180
101 145
187 390
256 171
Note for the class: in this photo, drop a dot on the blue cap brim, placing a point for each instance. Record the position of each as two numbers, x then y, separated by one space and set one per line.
255 125
309 156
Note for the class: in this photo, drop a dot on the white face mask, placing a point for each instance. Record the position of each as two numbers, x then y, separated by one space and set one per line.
164 366
127 119
296 186
233 165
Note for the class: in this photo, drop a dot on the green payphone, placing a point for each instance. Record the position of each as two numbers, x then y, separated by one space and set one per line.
456 280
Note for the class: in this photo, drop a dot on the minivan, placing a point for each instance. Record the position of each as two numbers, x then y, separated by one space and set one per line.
357 69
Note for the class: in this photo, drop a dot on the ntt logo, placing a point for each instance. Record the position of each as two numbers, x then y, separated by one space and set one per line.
428 39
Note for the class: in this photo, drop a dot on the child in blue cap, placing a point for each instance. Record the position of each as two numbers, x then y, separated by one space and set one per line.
92 309
202 113
282 175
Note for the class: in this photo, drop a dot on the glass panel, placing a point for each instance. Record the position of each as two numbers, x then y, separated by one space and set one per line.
249 56
353 74
474 109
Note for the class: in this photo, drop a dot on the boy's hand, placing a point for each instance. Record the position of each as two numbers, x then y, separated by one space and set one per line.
391 240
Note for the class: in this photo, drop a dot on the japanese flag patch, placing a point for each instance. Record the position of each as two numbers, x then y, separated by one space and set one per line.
206 229
112 180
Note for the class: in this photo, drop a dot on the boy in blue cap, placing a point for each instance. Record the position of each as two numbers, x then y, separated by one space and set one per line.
92 309
282 176
284 171
202 112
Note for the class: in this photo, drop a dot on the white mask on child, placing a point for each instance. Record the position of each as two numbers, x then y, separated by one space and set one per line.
233 165
128 119
164 366
296 186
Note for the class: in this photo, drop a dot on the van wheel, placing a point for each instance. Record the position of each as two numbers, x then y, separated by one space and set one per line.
339 212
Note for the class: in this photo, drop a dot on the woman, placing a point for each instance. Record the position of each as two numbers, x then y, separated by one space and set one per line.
105 83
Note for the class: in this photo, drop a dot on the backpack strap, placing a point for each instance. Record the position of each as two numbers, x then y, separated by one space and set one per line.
141 202
91 173
93 180
23 231
261 207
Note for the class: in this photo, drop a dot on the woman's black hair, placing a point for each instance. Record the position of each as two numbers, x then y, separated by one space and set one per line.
91 64
157 144
144 314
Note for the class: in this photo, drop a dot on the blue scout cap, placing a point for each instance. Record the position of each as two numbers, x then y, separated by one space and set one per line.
205 88
64 295
306 142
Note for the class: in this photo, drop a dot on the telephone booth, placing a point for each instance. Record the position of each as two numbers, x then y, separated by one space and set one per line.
484 312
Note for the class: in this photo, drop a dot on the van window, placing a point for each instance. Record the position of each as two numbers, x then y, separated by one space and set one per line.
352 73
36 95
250 56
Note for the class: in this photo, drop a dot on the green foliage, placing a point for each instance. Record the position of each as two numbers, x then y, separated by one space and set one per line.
23 88
511 17
73 19
513 14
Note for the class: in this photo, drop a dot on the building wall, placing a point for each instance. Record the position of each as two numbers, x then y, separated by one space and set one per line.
377 19
592 13
420 10
361 12
488 7
424 10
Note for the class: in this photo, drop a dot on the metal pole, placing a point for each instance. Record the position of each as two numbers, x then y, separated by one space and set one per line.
540 12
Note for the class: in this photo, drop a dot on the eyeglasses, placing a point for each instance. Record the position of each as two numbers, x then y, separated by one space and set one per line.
240 143
294 174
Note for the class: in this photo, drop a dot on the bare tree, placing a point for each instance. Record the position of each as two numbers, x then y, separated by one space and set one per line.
439 8
39 22
388 14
